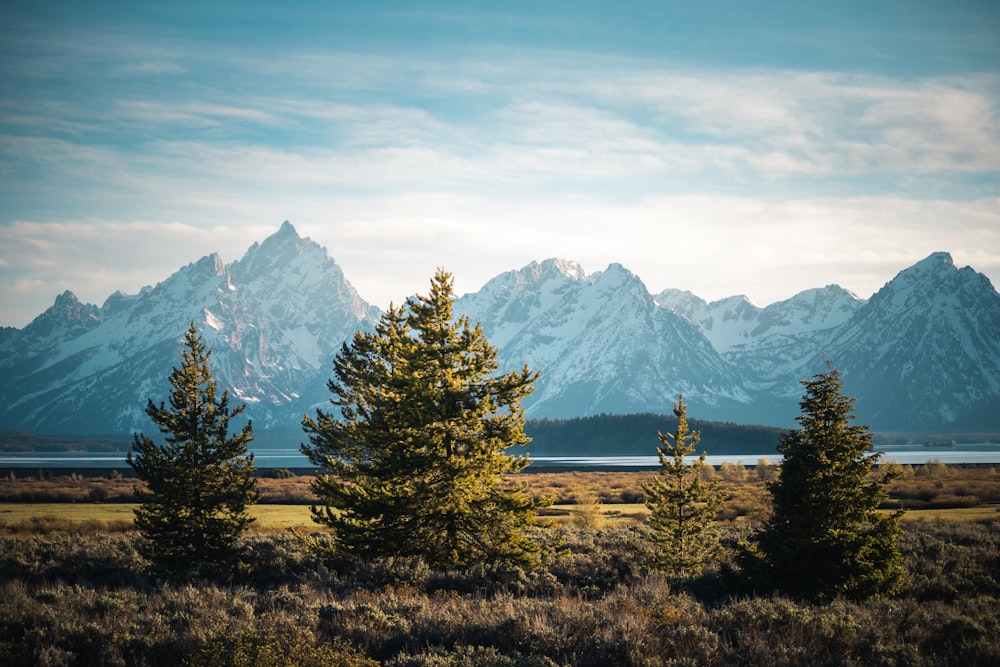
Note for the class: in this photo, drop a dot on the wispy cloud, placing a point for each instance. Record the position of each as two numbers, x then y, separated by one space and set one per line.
481 157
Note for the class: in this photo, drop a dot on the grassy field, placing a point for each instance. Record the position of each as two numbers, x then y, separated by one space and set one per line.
582 499
27 518
88 598
75 588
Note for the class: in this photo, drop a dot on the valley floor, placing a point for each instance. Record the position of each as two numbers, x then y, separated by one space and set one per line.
74 590
85 599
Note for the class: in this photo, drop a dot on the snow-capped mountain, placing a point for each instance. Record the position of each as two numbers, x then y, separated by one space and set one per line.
273 320
600 341
925 349
921 354
736 323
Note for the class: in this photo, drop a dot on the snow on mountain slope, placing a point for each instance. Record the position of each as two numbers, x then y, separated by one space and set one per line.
273 320
925 349
511 301
600 341
922 353
283 315
736 322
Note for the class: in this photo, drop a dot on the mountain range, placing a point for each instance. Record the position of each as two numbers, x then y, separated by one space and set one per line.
921 355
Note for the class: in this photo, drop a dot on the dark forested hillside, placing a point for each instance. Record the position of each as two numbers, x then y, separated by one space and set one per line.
635 435
14 441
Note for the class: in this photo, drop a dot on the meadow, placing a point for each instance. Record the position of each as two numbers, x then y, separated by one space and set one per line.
930 491
74 589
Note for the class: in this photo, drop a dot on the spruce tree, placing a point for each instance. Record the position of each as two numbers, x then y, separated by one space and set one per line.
199 480
683 506
826 536
412 460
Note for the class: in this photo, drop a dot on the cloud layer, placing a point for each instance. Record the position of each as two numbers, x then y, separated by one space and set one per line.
128 152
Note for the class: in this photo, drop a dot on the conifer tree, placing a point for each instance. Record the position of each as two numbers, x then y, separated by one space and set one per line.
683 505
826 536
412 462
199 481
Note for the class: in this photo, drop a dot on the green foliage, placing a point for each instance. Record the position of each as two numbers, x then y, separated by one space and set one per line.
199 482
683 506
826 536
414 465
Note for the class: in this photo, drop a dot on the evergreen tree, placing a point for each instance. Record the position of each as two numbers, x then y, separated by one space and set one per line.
414 462
199 481
826 536
683 505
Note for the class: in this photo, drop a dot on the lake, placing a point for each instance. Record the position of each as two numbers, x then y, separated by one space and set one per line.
290 458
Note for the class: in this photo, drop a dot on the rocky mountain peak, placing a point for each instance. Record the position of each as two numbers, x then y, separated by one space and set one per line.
277 252
929 337
934 278
67 308
555 268
936 261
66 314
812 309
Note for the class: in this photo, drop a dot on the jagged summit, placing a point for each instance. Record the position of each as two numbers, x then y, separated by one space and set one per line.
555 267
286 234
936 277
66 313
935 260
616 276
736 324
67 308
936 263
535 273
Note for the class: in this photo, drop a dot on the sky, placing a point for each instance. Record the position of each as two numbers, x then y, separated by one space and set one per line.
757 148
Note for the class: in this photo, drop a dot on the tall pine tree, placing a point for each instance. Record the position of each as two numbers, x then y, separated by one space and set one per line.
826 536
199 481
682 505
412 462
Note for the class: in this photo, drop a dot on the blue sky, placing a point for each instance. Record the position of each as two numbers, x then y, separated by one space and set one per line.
720 147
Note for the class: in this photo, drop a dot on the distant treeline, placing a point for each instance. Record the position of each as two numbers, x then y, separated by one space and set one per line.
23 441
635 435
892 438
602 435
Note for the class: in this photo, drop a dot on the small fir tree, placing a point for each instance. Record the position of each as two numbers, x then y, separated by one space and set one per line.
826 536
683 505
414 463
199 481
